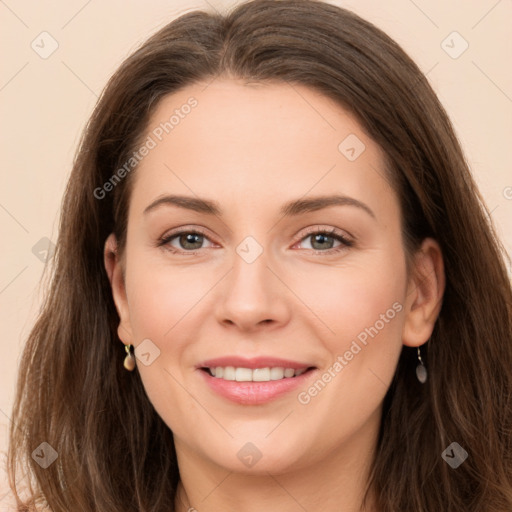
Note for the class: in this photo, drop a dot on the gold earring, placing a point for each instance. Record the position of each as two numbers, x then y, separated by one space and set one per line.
129 360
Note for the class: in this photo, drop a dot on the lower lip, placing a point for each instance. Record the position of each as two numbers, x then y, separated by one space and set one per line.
254 393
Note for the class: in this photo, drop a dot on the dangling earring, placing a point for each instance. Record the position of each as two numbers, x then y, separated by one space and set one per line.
421 370
129 360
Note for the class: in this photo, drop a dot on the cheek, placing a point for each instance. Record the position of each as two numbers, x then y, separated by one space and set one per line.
361 308
364 312
161 302
349 300
160 297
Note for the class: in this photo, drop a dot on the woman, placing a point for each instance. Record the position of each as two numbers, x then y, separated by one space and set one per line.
370 374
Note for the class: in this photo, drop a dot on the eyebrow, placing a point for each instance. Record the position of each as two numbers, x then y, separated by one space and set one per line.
290 209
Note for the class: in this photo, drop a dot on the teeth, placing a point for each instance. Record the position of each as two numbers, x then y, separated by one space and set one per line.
229 373
261 374
243 374
276 373
254 375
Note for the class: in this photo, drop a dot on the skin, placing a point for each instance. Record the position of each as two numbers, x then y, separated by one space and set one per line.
251 148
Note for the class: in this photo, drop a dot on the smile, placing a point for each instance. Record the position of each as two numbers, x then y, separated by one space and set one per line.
272 384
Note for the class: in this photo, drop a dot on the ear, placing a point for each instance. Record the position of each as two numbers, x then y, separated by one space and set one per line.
114 270
424 294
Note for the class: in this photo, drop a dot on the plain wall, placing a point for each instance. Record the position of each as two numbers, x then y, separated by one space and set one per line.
45 103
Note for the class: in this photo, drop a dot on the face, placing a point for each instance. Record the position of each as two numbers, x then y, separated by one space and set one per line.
300 266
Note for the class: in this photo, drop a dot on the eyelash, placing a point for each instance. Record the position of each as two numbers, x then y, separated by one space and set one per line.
345 242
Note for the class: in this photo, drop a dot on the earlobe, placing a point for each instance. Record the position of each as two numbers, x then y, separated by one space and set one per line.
424 295
114 271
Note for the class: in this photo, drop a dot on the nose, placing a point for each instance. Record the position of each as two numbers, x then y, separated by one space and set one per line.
253 296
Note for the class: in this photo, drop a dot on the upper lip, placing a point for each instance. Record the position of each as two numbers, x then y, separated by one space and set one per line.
255 362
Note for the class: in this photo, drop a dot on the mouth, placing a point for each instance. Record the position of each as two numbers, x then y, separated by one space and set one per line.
255 386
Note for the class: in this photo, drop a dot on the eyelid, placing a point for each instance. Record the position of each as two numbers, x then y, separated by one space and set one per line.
319 228
186 229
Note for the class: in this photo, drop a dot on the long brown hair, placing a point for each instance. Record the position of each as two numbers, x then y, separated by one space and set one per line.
114 451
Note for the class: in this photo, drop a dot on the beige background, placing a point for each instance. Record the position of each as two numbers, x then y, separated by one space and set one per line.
45 103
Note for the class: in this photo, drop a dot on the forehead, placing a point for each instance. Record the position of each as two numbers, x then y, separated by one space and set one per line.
259 142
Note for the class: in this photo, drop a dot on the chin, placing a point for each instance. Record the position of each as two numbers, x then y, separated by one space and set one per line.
259 458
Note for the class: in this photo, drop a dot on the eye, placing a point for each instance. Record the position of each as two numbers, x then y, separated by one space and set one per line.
323 240
188 240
